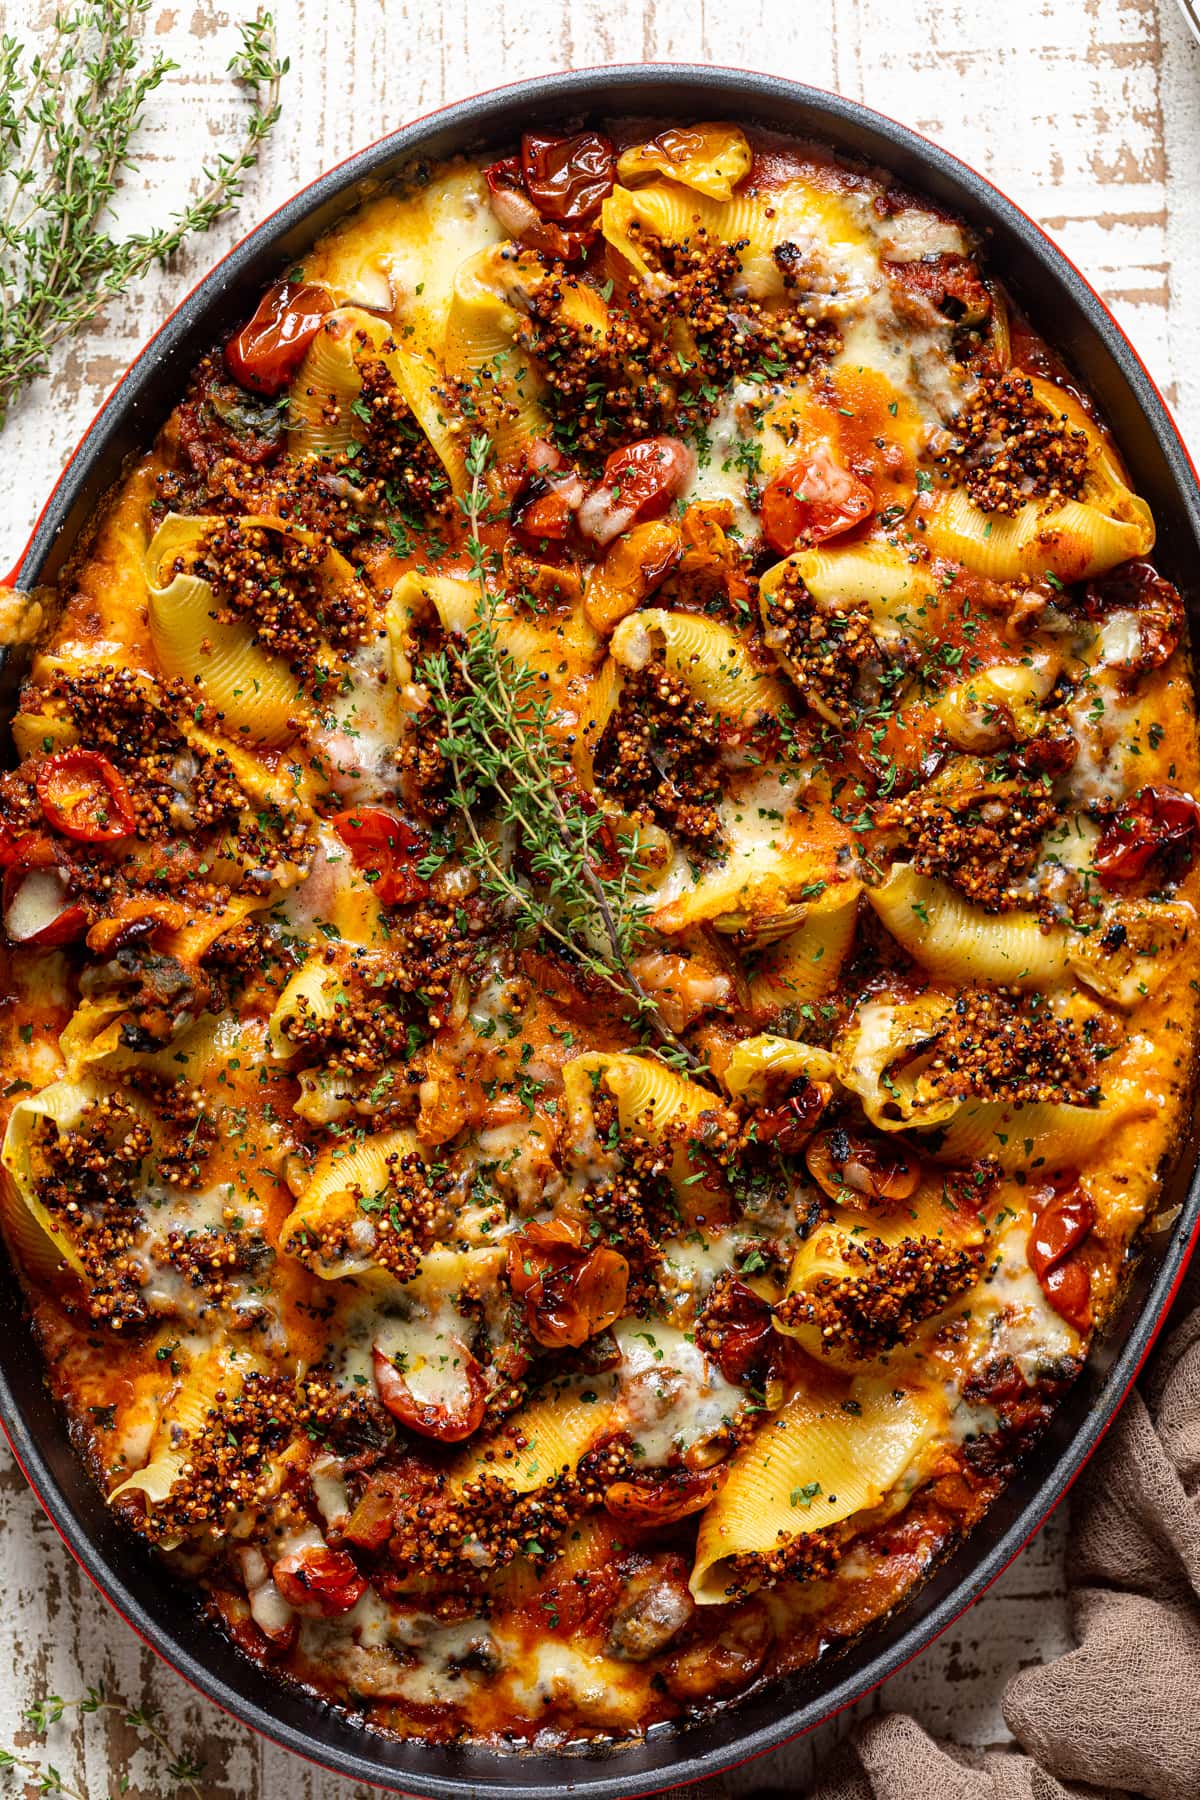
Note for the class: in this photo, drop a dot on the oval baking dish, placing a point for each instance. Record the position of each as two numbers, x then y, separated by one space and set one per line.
1053 294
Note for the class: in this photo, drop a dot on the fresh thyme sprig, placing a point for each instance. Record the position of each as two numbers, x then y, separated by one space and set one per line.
503 756
183 1771
68 116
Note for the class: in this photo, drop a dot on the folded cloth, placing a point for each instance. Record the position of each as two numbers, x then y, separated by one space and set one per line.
1119 1715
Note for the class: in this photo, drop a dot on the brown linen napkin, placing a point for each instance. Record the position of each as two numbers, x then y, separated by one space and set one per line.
1120 1715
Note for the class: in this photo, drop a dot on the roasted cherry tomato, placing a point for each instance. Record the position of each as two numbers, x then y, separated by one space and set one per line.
639 482
814 499
1137 587
738 1332
521 218
386 848
318 1581
951 284
846 1166
792 1120
447 1421
539 512
725 1659
1059 1229
568 178
1156 820
84 797
571 1290
661 1500
545 503
266 353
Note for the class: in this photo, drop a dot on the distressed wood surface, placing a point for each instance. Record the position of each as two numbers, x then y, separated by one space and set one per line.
1086 111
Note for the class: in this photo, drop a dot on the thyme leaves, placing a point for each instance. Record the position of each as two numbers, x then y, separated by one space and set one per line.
69 114
541 848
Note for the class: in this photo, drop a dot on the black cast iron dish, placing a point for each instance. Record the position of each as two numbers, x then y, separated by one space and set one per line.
1076 321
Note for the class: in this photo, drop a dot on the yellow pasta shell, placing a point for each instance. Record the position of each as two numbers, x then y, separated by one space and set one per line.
63 1102
883 1033
423 385
316 990
544 1440
811 1466
705 655
754 1058
801 968
1154 934
345 1174
321 419
709 159
991 708
181 1423
756 896
482 347
678 215
1044 1135
253 692
652 1101
960 942
1072 542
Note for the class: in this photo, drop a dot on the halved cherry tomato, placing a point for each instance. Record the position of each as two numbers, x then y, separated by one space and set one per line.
318 1581
814 499
541 513
449 1422
268 350
639 482
30 895
1138 587
84 797
1155 820
568 178
571 1291
386 848
949 283
1058 1230
544 504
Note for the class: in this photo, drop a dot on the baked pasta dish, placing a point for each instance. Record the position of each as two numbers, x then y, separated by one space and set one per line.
597 880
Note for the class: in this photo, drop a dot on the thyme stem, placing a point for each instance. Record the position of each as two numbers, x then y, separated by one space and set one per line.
183 1771
497 739
67 124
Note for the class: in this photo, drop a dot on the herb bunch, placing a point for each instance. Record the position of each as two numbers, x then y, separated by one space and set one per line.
68 117
505 762
181 1771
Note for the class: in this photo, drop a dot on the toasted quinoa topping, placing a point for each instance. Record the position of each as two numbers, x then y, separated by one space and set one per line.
87 1178
1012 449
660 755
808 1556
892 1290
825 653
281 585
1010 1046
982 837
631 379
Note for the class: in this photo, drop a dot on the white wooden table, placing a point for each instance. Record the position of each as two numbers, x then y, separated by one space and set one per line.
1088 115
